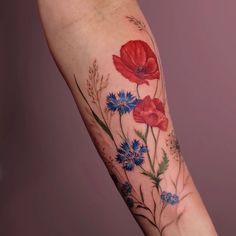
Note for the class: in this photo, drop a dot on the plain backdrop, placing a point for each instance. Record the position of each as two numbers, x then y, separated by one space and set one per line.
52 181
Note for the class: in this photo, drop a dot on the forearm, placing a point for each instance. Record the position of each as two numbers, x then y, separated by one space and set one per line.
107 56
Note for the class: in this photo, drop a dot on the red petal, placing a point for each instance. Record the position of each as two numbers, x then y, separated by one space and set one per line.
148 105
127 58
152 119
164 124
158 119
159 105
149 51
151 65
133 53
126 72
137 113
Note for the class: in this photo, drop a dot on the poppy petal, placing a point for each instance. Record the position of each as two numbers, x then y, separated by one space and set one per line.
126 72
151 65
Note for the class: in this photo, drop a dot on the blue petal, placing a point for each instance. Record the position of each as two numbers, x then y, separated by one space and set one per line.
174 199
122 96
111 98
129 166
131 105
130 202
142 150
125 109
112 103
163 195
119 158
122 152
111 106
138 161
126 188
135 145
168 197
125 146
129 96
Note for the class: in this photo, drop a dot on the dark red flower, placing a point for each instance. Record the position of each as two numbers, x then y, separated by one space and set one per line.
151 112
137 62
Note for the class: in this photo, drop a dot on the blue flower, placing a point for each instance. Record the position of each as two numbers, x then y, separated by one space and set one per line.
130 155
124 102
129 202
174 199
126 188
169 198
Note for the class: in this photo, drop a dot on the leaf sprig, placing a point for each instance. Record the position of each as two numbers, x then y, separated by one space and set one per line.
163 166
141 26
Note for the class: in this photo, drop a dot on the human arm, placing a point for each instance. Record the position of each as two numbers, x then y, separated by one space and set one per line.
108 57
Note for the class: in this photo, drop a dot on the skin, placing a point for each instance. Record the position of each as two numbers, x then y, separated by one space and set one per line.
80 31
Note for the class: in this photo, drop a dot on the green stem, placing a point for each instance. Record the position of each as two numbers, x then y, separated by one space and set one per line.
155 92
126 175
160 215
178 175
148 154
145 217
143 169
85 99
121 127
158 55
155 208
155 146
103 117
137 91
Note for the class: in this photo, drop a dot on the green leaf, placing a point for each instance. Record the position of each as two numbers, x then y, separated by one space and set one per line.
141 192
151 176
163 166
99 121
143 207
81 92
140 134
158 181
102 124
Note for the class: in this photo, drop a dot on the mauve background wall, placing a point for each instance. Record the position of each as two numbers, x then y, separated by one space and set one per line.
52 180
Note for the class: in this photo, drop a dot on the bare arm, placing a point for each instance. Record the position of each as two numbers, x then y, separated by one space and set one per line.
108 57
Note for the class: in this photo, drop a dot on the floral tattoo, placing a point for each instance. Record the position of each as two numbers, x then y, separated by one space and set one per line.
138 63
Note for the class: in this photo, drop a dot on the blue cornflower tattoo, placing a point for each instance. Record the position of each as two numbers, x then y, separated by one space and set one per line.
124 102
126 188
169 198
130 155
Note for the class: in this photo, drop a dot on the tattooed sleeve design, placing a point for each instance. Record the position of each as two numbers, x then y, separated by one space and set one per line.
138 63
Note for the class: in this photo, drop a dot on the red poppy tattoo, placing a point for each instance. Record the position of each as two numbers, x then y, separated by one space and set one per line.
137 62
151 112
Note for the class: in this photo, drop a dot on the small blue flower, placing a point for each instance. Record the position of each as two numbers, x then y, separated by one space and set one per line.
163 195
130 202
174 199
124 102
170 198
126 188
130 155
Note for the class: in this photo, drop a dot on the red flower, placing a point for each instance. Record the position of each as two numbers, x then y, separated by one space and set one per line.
151 112
137 62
